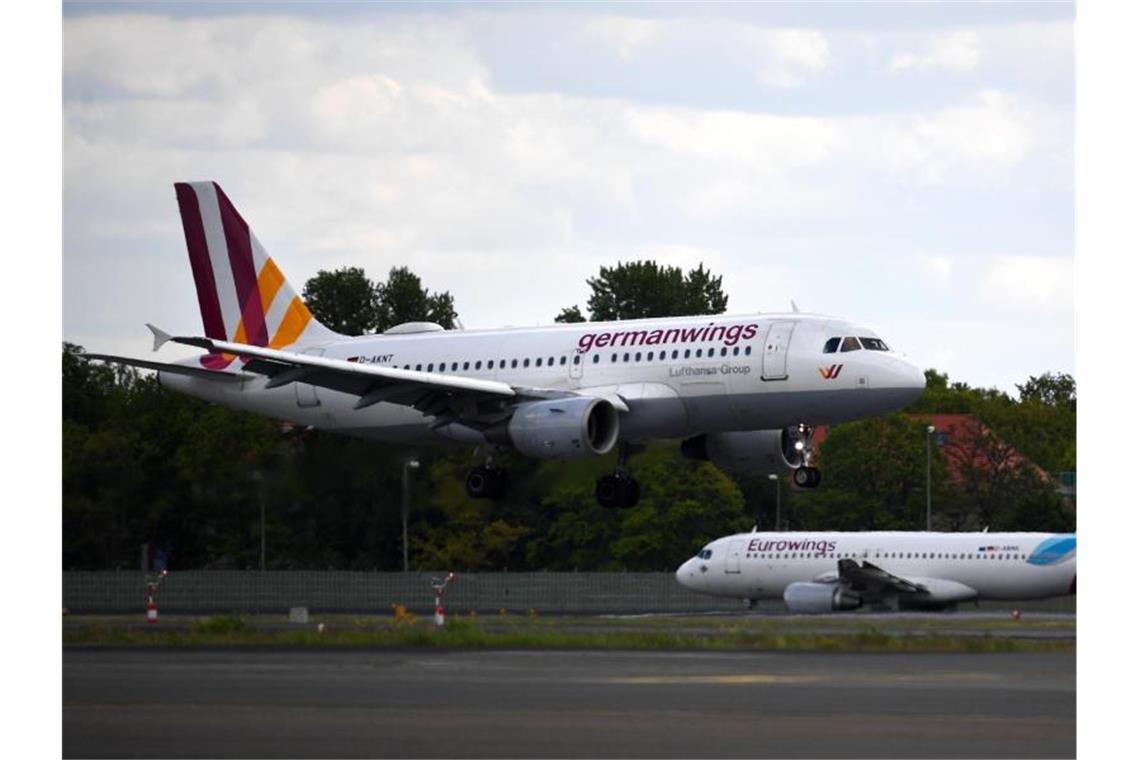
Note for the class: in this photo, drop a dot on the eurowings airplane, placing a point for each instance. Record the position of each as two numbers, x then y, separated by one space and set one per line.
742 391
829 572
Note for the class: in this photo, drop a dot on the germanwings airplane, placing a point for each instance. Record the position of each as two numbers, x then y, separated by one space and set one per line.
829 572
742 391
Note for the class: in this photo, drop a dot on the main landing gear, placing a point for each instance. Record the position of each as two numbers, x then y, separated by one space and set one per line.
487 482
619 489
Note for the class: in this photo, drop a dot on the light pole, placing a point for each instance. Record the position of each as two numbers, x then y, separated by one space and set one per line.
260 480
408 464
776 482
929 434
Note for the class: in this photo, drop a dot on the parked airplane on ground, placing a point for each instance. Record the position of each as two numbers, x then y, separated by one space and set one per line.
829 572
743 391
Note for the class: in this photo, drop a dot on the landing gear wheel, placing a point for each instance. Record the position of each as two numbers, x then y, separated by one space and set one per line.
485 482
806 477
617 490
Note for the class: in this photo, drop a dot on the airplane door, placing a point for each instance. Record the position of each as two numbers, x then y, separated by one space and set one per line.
776 351
732 559
575 362
307 394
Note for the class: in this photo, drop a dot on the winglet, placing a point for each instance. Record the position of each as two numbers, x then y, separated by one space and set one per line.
795 309
160 337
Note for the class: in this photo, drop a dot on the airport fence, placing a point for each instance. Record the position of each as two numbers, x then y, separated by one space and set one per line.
208 592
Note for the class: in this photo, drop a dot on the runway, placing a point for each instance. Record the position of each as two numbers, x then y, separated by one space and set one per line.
479 703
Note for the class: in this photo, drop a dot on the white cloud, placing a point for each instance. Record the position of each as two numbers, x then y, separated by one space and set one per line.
787 57
936 269
386 143
627 35
957 52
986 137
1029 283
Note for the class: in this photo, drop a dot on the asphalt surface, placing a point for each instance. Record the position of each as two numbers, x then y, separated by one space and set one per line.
418 703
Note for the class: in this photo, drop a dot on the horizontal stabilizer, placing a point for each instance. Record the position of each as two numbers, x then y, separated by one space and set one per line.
174 369
160 336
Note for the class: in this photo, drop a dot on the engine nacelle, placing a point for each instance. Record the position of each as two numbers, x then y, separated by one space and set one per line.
819 598
749 452
564 428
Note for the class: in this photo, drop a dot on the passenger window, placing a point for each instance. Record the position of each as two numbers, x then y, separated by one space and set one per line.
748 350
850 344
455 366
596 358
637 356
514 363
661 356
649 356
724 352
613 358
550 361
625 357
479 364
466 365
698 353
430 366
686 353
831 346
736 350
674 353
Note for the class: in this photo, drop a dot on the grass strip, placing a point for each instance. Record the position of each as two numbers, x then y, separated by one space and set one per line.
232 631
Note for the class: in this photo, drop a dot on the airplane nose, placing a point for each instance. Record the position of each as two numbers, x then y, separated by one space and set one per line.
916 377
908 377
685 573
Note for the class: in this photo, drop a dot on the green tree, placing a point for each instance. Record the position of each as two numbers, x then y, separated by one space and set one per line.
570 314
343 300
403 298
683 505
1057 390
874 477
643 289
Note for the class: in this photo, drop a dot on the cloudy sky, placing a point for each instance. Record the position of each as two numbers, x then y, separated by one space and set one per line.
907 166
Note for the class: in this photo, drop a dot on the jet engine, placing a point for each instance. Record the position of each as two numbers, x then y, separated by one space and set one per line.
564 428
819 598
752 452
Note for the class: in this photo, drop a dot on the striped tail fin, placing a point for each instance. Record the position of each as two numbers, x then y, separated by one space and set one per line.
242 294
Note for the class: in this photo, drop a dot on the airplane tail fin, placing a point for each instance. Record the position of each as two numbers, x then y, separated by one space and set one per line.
242 294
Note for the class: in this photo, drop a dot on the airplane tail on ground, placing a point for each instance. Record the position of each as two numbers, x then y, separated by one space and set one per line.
242 294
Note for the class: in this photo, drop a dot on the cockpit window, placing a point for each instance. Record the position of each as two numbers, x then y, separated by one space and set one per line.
850 344
704 554
831 346
873 344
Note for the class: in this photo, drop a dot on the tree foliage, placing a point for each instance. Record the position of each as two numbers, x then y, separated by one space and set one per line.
343 300
346 301
642 289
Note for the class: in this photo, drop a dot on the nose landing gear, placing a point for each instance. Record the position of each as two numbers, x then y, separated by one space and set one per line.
804 476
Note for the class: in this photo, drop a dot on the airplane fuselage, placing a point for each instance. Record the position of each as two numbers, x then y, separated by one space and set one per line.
992 565
677 375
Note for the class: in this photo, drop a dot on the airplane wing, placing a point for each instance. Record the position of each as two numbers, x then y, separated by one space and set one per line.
873 580
446 396
175 369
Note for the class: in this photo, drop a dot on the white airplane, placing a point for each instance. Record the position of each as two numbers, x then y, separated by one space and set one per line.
829 572
744 391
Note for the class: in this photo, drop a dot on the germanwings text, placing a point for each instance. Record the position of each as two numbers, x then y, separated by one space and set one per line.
730 335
